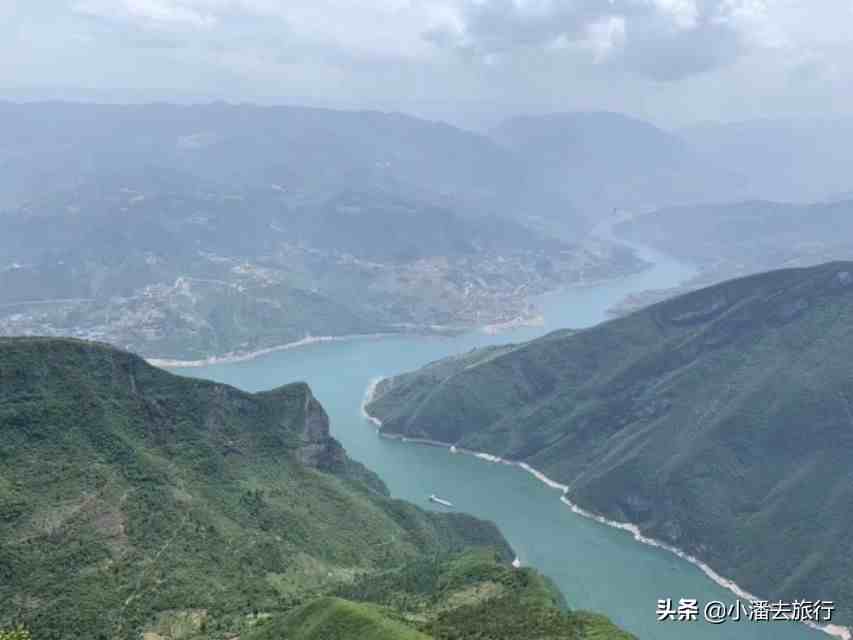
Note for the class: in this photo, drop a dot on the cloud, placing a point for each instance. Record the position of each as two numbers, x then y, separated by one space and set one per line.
150 13
603 37
670 60
382 28
665 40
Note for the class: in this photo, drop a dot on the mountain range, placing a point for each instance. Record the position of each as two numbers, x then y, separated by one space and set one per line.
309 151
788 159
603 161
161 264
195 231
731 240
748 237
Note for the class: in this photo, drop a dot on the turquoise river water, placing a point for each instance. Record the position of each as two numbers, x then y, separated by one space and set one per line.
597 567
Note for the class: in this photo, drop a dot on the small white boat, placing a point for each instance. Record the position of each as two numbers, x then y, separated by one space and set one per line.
445 503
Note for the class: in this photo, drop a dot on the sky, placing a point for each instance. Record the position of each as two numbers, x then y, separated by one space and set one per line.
470 61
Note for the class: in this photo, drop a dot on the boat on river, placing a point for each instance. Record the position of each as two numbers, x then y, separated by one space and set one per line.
445 503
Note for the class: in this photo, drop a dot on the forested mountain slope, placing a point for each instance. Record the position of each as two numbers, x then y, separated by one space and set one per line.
719 421
135 500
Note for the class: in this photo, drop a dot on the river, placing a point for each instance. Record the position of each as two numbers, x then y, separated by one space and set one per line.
596 567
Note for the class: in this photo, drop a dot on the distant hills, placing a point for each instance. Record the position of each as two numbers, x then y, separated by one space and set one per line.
788 159
133 500
718 421
307 151
196 231
170 266
602 161
186 232
529 166
727 240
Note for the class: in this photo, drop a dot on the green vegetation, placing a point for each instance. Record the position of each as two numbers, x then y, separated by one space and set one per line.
336 619
472 596
461 597
126 491
719 421
18 633
136 501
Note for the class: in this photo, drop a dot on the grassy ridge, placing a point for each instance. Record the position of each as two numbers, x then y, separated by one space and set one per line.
720 421
461 597
472 596
336 619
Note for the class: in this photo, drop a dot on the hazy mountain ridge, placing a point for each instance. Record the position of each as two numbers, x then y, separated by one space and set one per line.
311 151
718 421
755 235
789 159
602 161
737 239
187 232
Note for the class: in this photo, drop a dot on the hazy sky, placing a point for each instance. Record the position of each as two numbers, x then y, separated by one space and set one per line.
673 61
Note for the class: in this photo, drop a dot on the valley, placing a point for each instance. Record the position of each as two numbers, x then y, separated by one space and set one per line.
168 247
409 320
595 567
258 246
639 418
232 306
